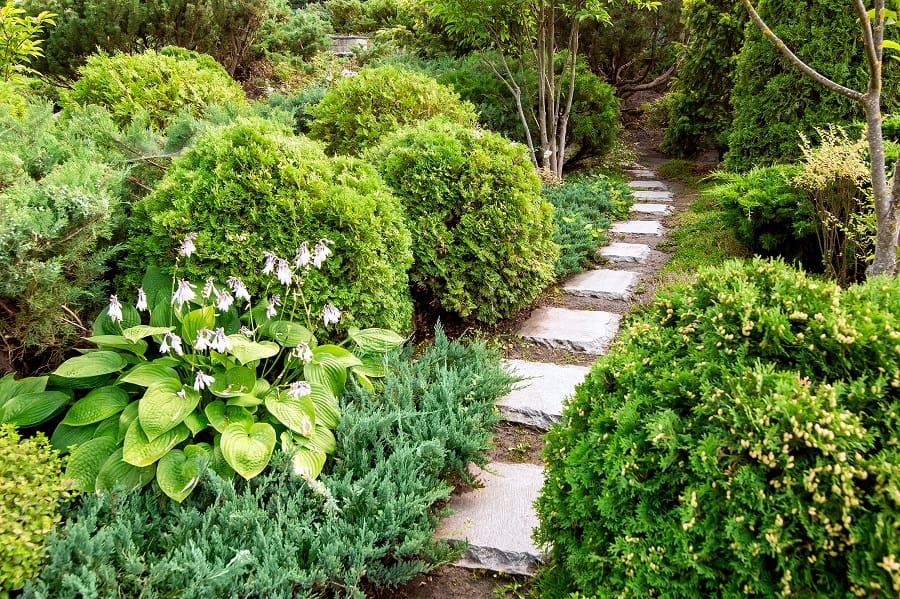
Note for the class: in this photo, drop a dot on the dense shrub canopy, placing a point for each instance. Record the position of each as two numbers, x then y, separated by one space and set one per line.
359 110
253 187
482 233
739 439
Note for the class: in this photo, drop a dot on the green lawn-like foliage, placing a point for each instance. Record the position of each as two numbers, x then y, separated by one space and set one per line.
252 187
740 439
360 110
366 526
482 233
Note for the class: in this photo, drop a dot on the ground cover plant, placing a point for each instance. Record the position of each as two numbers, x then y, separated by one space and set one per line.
738 440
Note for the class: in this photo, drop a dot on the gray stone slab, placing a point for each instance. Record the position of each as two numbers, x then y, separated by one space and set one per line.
584 331
626 252
497 520
638 227
641 173
656 196
647 185
537 400
656 209
603 283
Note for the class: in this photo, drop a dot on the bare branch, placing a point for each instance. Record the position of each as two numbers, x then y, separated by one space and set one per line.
659 81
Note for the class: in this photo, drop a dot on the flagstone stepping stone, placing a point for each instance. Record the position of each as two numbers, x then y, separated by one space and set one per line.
647 185
603 283
641 173
497 519
653 195
537 400
657 209
626 252
585 331
639 227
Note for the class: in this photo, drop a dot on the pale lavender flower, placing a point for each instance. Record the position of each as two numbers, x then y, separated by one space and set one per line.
209 288
141 304
303 352
299 389
270 262
202 381
181 393
275 300
320 252
245 332
171 341
202 342
302 257
115 309
220 341
187 247
330 314
239 289
184 293
224 300
283 272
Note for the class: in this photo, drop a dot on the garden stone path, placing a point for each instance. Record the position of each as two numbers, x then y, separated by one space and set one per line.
497 518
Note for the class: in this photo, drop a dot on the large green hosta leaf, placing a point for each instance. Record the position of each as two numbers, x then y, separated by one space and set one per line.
248 447
141 451
136 346
307 462
10 387
141 331
65 436
234 382
94 364
97 405
375 340
116 473
193 321
145 375
178 472
247 351
221 416
286 333
328 370
164 406
85 462
328 410
30 409
296 413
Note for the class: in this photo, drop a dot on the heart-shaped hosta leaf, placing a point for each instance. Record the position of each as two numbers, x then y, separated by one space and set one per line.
157 285
307 462
218 464
164 406
296 413
322 440
110 428
345 357
222 416
115 473
141 331
138 347
85 462
286 333
248 448
145 375
94 364
10 387
235 381
141 451
196 421
97 405
326 370
193 321
375 340
30 409
247 351
178 472
328 411
65 436
162 313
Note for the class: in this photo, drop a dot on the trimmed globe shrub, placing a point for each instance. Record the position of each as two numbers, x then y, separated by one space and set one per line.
252 187
482 233
160 84
359 110
739 440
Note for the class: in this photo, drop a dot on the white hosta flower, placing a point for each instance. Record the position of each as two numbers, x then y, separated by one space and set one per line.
202 381
330 314
171 341
220 341
202 342
184 293
270 262
302 257
141 304
187 247
239 289
245 332
283 272
209 288
320 252
299 389
224 300
181 393
303 352
115 309
275 300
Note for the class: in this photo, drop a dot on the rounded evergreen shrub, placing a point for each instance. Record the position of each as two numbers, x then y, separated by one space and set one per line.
359 110
739 440
594 122
252 187
482 233
158 83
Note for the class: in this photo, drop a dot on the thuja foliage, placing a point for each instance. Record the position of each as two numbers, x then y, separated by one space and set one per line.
253 186
359 110
482 234
583 208
739 440
31 487
367 525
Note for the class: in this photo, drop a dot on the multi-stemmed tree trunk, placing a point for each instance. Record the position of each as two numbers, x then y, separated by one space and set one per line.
887 198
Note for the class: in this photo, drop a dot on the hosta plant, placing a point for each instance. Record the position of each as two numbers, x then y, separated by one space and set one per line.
211 379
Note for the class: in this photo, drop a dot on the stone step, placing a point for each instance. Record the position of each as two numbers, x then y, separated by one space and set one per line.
626 252
639 227
656 209
654 195
585 331
641 173
602 283
537 400
647 185
497 519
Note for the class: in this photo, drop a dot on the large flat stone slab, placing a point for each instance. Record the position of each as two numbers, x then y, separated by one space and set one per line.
639 227
538 399
647 184
585 331
641 173
497 520
652 195
603 283
626 252
655 209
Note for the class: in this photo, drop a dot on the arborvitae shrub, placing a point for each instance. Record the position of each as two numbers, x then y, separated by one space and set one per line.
31 488
738 440
360 110
482 233
366 526
252 187
160 84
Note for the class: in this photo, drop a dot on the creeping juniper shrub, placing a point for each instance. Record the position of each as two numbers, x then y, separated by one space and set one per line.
367 525
739 439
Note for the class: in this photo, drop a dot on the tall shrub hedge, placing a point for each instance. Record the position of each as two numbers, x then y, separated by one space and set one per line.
740 439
